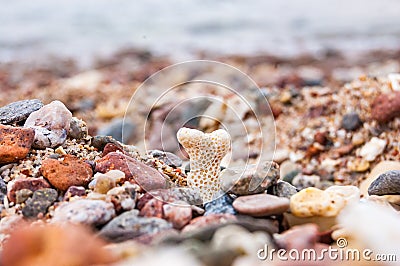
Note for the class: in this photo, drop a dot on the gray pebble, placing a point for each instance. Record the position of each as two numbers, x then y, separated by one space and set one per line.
77 129
167 157
129 225
351 121
387 183
18 111
282 189
3 190
41 200
222 204
251 179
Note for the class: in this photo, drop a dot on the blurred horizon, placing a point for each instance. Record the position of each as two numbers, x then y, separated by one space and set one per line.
86 29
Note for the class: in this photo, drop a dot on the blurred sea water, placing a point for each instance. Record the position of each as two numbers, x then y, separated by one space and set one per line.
82 29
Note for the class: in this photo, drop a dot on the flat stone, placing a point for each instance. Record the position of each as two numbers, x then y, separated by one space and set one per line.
379 169
41 200
167 157
32 184
129 225
282 189
387 183
18 111
69 171
136 172
84 211
351 121
222 204
15 143
51 124
252 179
261 205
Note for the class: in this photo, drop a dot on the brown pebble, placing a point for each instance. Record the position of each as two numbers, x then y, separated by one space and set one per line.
135 172
70 171
32 184
261 205
15 143
385 107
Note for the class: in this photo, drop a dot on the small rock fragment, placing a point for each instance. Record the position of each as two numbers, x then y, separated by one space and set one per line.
177 213
301 181
372 149
387 183
221 204
51 124
73 191
77 129
69 171
123 197
38 204
22 195
84 211
351 121
207 221
282 189
167 157
261 205
18 111
15 143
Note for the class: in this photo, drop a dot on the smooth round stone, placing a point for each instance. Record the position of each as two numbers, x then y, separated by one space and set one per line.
386 184
351 121
261 205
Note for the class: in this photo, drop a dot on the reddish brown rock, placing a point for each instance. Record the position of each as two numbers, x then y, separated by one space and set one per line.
299 237
32 184
321 138
54 244
15 143
212 219
135 172
152 208
385 107
111 147
69 171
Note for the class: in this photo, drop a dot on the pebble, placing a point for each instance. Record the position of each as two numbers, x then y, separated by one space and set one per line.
120 129
18 111
351 122
301 181
387 183
32 184
130 225
146 177
358 165
298 237
178 214
373 148
22 195
222 204
69 171
282 189
77 129
99 142
261 205
84 211
51 124
41 200
208 221
15 143
251 179
385 107
379 169
351 194
111 147
167 157
73 191
123 197
3 190
315 202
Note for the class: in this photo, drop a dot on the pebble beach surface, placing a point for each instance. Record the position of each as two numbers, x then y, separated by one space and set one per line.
78 188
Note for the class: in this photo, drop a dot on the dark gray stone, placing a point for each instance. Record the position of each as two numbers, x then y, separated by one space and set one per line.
351 121
167 157
41 200
99 142
387 183
129 225
222 204
282 189
3 190
120 129
18 111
